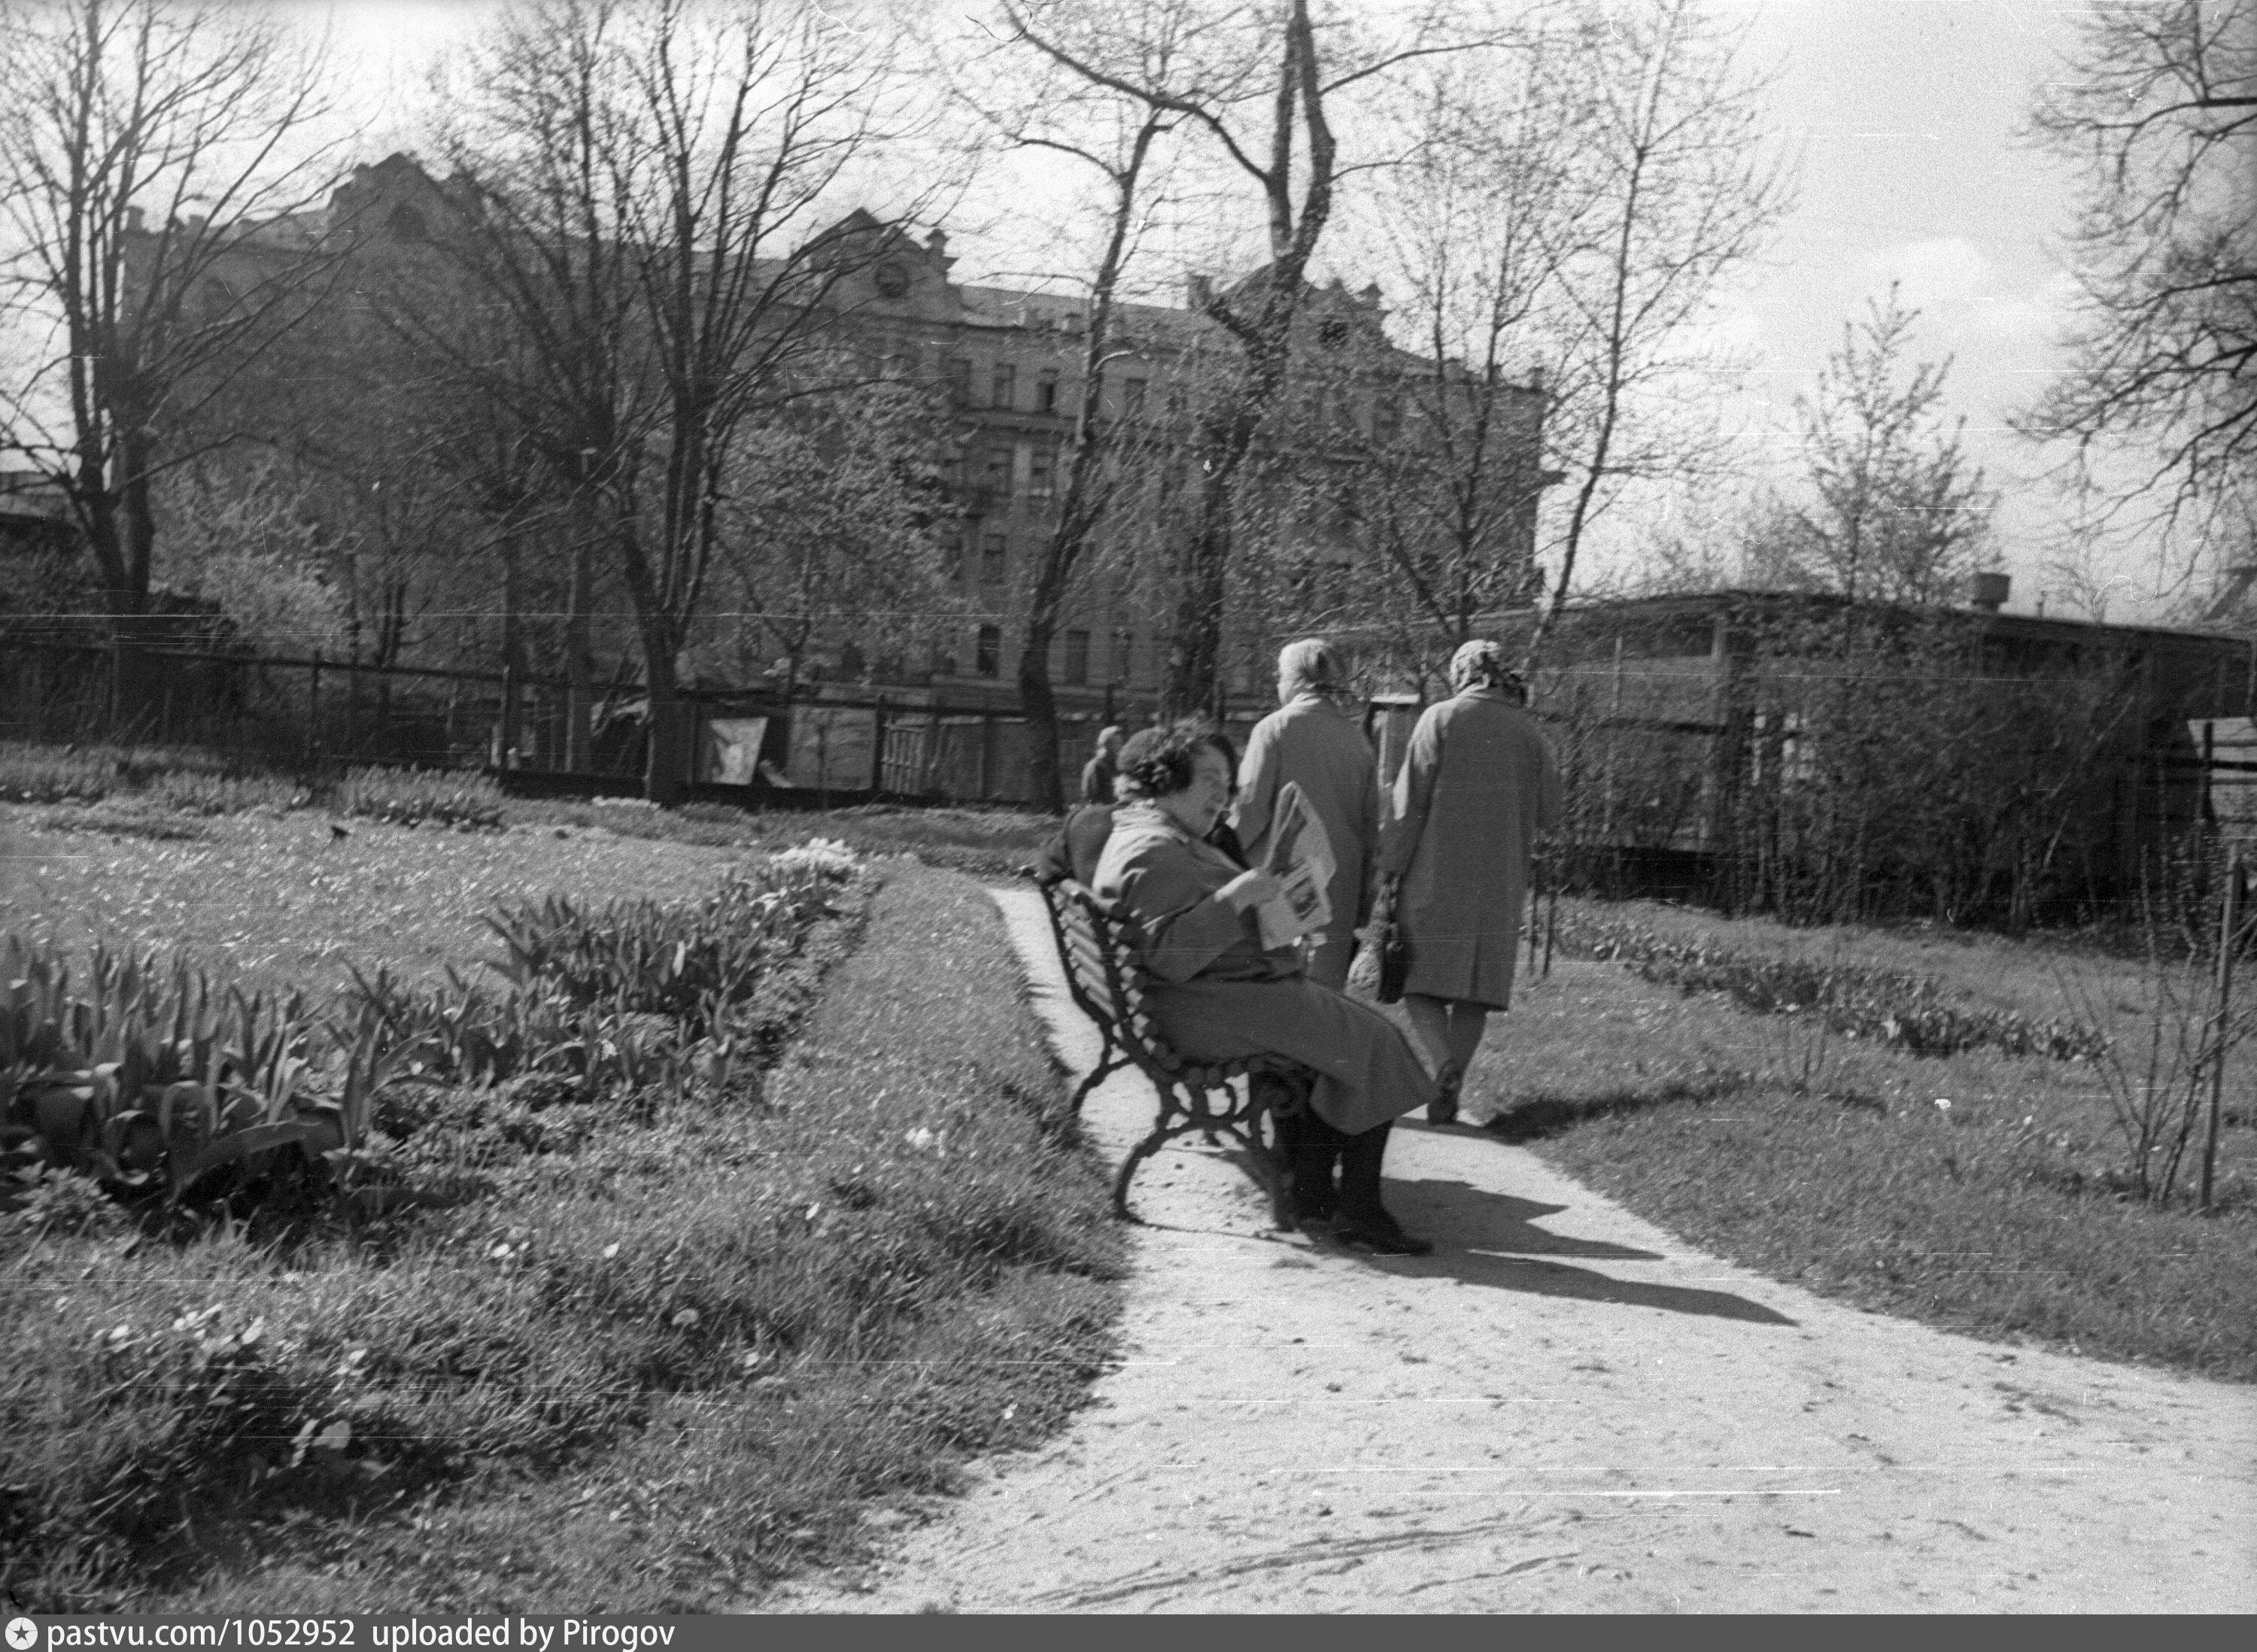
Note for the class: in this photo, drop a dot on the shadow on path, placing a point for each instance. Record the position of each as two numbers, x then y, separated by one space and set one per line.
1491 1239
1467 1218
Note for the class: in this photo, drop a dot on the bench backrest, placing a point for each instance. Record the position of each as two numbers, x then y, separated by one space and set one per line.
1097 945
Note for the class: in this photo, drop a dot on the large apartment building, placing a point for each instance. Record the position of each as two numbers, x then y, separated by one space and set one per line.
1006 368
1002 371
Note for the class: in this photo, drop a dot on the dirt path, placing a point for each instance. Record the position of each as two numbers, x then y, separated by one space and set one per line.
1561 1409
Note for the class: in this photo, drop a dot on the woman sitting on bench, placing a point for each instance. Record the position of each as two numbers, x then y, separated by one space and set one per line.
1219 995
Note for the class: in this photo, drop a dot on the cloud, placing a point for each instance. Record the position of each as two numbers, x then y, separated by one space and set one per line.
1947 271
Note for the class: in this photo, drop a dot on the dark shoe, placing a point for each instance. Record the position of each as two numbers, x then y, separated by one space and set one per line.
1443 1110
1380 1235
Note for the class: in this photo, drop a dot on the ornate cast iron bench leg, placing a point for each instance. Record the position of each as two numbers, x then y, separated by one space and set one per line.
1110 1060
1169 1124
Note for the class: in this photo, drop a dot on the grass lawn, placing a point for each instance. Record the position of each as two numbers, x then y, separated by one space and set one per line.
662 1363
1829 1161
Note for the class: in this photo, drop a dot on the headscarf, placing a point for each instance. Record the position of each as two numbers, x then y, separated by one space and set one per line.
1480 664
1311 667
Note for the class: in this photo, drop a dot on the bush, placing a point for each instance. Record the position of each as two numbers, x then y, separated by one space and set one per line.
410 797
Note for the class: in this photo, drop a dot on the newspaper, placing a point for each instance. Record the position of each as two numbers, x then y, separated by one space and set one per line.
1300 856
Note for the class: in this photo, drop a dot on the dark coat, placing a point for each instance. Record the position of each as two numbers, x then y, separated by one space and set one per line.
1217 994
1477 784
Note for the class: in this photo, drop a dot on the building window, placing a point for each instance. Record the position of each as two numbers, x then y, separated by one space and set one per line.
1046 393
994 559
997 476
1077 659
1124 655
1005 389
989 660
952 559
958 372
1132 398
1042 470
1386 418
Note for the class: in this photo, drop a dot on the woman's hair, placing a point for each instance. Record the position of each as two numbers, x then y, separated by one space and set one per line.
1158 762
1310 667
1480 664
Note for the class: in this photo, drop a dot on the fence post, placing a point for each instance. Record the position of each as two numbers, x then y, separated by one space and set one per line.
314 707
2228 934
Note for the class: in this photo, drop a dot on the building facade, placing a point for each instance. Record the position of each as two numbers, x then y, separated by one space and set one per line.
1004 368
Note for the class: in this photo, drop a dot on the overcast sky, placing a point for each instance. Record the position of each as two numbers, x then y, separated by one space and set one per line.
1905 114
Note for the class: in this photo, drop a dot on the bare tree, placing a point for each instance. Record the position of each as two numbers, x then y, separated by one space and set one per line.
1032 100
2159 108
640 188
1262 83
1896 513
156 161
1674 190
1477 222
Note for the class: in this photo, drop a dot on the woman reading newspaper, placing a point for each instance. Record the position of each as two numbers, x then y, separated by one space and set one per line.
1229 979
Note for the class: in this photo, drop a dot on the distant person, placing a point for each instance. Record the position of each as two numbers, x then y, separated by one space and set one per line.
1097 774
1314 741
1217 994
1476 786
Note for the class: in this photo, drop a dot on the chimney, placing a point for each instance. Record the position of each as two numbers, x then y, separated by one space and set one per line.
1988 591
937 243
1199 293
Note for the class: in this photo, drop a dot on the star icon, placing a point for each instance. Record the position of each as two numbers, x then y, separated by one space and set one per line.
23 1634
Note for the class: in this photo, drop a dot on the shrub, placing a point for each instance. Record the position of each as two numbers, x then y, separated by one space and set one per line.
409 797
1903 1011
197 793
35 774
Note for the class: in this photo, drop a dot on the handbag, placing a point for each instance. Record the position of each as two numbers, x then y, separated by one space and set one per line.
1383 941
1394 963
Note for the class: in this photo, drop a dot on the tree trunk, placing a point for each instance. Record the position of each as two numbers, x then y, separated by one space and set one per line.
512 651
579 660
1039 706
666 761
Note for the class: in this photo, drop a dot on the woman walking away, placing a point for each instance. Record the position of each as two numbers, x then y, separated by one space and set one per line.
1217 994
1476 784
1312 740
1097 774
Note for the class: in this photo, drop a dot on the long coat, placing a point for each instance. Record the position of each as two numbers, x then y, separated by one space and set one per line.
1217 994
1477 784
1316 743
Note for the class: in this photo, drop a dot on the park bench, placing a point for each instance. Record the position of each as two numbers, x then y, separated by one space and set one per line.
1097 948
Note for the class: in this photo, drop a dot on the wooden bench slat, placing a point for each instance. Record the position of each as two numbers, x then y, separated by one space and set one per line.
1098 951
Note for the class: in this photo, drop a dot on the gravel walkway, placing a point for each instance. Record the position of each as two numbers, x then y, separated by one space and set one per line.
1562 1409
